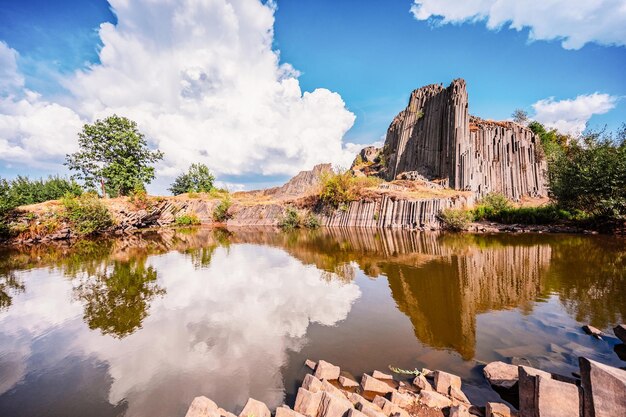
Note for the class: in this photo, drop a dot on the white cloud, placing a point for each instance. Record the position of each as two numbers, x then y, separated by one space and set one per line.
10 78
202 81
571 116
574 22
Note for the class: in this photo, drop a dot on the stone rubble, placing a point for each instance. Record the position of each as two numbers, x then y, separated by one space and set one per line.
601 393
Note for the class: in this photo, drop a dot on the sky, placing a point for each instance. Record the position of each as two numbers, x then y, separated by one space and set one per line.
259 90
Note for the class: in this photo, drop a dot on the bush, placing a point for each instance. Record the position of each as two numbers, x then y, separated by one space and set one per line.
198 179
87 213
187 220
22 191
339 189
311 221
591 175
139 199
220 212
455 219
293 219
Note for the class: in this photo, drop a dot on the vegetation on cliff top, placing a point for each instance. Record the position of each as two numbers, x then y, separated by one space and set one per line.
197 179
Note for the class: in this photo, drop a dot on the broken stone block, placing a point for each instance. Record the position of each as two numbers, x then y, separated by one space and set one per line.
593 331
422 383
459 395
287 412
355 399
620 332
370 410
347 382
333 406
604 389
325 370
388 408
434 399
355 413
255 408
459 410
620 351
381 375
497 410
331 389
310 383
503 375
307 402
201 407
401 400
427 373
309 363
444 380
555 398
528 388
369 383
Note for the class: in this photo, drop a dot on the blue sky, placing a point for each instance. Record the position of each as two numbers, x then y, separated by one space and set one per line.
371 53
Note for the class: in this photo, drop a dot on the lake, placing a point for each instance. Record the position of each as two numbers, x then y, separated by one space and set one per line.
139 326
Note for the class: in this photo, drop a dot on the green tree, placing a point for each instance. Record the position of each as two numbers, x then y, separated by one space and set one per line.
591 175
113 156
197 179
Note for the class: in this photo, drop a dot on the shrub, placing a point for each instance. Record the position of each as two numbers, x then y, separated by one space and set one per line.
220 212
340 188
87 213
22 191
197 179
455 219
311 221
187 220
293 219
139 199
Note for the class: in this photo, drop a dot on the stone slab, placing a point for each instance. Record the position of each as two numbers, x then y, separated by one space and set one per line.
604 389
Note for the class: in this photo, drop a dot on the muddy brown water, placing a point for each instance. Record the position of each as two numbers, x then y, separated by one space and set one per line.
139 326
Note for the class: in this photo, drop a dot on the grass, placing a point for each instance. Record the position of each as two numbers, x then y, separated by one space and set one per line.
220 212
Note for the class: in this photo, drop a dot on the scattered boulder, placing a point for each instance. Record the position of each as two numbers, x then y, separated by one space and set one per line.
347 382
370 410
331 389
555 398
604 389
369 383
434 399
497 410
311 383
422 383
224 413
593 331
389 408
307 402
326 370
201 407
333 406
255 408
287 412
400 399
356 399
309 363
381 375
528 389
505 376
353 412
444 380
620 332
458 395
459 410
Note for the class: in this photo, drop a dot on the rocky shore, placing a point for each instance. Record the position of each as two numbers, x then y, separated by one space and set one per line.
598 390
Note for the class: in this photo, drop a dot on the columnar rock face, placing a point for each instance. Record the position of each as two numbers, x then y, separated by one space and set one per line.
436 136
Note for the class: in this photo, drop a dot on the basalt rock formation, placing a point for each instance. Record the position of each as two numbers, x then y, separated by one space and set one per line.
436 136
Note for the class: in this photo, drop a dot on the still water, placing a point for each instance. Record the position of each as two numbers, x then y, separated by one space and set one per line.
140 326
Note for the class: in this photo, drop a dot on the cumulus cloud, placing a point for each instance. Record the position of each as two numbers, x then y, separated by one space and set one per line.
571 115
574 22
203 82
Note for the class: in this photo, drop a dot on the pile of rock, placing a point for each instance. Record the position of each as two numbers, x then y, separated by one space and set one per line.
600 391
328 392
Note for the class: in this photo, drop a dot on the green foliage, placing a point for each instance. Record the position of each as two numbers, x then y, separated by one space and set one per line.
113 157
22 191
490 206
455 219
293 219
139 198
187 220
338 189
553 144
220 212
198 179
591 175
87 213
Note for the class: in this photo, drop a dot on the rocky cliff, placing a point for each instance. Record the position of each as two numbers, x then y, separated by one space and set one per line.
436 136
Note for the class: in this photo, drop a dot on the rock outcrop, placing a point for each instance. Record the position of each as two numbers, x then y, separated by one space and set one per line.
436 136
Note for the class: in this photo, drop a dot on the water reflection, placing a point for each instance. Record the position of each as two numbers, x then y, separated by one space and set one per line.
156 319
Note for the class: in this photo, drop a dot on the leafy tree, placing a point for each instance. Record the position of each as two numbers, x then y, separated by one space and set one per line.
591 175
520 116
22 190
117 300
198 179
113 156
